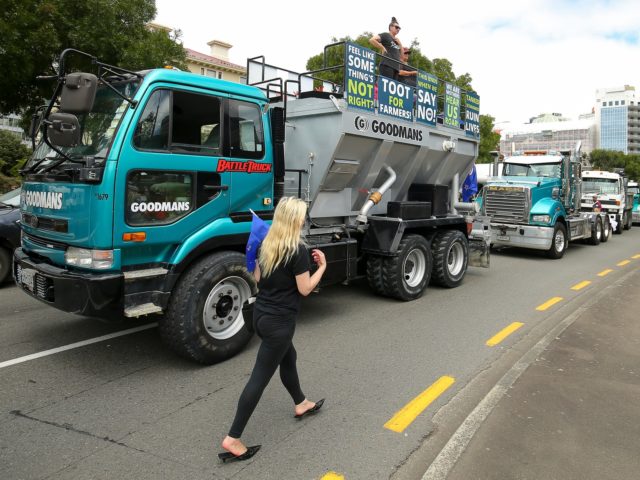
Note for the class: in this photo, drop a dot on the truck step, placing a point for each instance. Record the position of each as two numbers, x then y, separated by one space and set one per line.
144 309
149 272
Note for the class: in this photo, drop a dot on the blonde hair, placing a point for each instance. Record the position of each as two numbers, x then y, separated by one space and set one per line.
284 236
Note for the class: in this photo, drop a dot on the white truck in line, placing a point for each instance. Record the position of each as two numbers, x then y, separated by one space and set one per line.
611 190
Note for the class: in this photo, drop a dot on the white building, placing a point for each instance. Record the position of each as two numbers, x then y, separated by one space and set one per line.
551 135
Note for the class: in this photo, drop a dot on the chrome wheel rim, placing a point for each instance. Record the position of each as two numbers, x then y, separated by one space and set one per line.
559 241
598 230
222 313
455 259
414 267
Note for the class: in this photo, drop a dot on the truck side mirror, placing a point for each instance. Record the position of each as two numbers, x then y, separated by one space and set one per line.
78 93
34 126
63 129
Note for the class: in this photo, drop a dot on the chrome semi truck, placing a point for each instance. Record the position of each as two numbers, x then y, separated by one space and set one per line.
138 198
536 204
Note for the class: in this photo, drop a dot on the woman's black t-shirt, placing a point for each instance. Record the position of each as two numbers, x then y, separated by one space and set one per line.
278 293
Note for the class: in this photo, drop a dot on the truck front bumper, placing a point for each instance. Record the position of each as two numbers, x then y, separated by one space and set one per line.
91 294
524 236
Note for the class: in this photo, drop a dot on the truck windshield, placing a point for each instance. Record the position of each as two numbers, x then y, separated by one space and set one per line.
98 127
535 170
600 185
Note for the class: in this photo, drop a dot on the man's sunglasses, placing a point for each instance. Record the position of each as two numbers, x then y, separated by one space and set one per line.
397 26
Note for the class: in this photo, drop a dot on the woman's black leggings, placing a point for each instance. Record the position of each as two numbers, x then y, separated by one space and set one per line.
276 349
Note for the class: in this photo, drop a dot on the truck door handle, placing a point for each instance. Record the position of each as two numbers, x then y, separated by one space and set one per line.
216 188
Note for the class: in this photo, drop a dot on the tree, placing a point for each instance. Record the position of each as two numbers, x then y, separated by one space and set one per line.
609 159
34 32
13 155
489 140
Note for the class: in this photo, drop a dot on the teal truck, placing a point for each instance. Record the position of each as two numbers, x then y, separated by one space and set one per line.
139 196
535 204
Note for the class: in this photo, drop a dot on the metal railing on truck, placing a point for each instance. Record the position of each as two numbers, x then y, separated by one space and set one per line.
313 83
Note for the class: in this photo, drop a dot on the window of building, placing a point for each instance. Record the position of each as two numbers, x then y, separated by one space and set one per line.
621 102
617 102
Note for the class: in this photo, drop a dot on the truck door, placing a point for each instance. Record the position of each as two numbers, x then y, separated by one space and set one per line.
167 186
248 158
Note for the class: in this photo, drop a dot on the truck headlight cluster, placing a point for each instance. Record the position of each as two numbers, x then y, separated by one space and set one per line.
85 258
541 218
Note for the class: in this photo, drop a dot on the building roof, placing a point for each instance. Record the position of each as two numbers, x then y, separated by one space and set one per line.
204 59
526 128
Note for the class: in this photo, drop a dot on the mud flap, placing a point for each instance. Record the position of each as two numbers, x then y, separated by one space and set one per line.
479 253
480 241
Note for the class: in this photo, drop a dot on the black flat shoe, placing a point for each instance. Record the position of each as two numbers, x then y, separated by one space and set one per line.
230 457
311 411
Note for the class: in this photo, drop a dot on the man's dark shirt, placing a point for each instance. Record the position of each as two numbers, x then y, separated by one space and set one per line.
393 50
278 293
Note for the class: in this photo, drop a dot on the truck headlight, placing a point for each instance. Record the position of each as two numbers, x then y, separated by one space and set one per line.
85 258
541 218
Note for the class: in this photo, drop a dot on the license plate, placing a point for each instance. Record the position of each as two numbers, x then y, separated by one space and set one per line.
27 277
504 238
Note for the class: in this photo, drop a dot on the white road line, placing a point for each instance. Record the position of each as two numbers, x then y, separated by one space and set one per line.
71 346
449 455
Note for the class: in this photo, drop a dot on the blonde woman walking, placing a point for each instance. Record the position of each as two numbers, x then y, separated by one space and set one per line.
282 273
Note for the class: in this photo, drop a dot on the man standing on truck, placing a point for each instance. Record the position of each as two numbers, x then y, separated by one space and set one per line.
390 46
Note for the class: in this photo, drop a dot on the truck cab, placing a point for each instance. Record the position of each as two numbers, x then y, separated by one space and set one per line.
535 204
610 190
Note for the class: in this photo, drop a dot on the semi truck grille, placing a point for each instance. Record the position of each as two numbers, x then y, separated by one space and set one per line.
507 204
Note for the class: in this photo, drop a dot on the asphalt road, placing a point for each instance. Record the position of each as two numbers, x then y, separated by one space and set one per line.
128 408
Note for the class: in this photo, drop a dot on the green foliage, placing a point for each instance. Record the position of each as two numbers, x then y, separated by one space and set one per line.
608 160
34 33
489 140
440 67
13 154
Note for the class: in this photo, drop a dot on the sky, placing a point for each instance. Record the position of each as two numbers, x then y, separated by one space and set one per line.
525 57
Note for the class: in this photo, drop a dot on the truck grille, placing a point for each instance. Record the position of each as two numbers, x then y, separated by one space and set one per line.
507 204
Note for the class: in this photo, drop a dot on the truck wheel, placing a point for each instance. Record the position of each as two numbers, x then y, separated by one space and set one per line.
406 275
618 229
606 229
558 242
204 321
374 274
596 232
5 264
450 258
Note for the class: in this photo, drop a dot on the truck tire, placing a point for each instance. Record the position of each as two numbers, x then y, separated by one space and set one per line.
606 229
5 264
450 252
204 321
407 275
558 242
596 232
374 274
619 228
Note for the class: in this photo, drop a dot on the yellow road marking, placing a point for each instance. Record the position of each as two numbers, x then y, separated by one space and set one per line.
581 285
623 263
605 272
403 418
549 303
636 256
504 333
332 476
